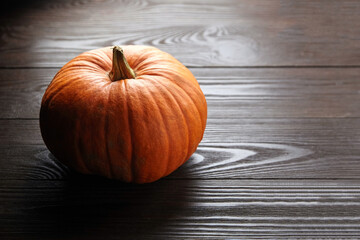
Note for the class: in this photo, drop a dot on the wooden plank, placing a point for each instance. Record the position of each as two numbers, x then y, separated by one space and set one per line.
230 93
93 208
231 149
198 33
21 91
306 131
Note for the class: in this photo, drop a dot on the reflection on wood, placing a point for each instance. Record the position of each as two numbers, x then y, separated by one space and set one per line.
239 154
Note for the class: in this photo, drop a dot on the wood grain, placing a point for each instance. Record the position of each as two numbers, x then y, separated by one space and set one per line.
92 208
218 33
230 93
231 149
280 158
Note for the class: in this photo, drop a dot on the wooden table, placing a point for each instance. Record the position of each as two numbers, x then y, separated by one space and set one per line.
281 153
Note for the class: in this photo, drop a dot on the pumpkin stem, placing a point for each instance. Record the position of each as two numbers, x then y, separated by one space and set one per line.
120 67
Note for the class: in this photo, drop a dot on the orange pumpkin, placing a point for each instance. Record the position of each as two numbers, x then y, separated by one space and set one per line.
133 113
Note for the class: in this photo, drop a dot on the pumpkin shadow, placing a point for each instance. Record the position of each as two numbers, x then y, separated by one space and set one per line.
91 207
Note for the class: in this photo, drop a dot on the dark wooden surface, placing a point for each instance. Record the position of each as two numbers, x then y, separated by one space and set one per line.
280 157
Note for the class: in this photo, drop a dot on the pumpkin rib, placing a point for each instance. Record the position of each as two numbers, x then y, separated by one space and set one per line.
127 137
189 95
137 64
56 90
127 99
53 91
144 95
197 90
93 59
196 106
50 97
182 93
168 139
189 152
79 149
147 106
186 123
197 109
106 126
77 141
82 128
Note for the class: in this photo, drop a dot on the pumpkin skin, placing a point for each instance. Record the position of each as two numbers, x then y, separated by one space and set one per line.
135 130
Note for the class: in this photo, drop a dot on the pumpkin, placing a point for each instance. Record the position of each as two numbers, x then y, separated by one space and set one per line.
132 113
